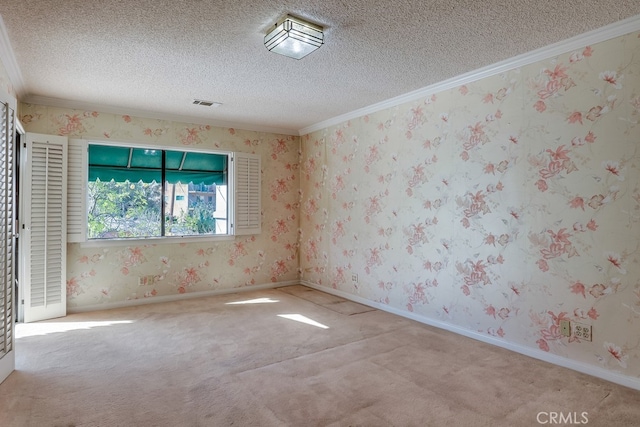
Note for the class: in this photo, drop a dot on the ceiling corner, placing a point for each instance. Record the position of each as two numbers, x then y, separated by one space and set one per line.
9 61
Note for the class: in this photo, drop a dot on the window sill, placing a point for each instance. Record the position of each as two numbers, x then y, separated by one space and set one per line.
100 243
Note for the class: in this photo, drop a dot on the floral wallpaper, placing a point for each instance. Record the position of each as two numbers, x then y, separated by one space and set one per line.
502 206
110 274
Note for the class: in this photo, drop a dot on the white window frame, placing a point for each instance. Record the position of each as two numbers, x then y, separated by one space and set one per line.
241 220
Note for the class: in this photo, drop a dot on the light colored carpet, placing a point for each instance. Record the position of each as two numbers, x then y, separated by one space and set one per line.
248 359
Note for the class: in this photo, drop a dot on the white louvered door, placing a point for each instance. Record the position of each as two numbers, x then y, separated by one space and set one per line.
7 239
44 234
247 189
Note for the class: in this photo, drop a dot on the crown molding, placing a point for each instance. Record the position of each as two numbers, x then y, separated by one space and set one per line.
87 106
596 36
608 32
9 61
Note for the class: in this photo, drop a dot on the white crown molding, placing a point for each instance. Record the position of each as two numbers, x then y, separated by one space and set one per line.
596 36
595 371
8 59
608 32
87 106
179 297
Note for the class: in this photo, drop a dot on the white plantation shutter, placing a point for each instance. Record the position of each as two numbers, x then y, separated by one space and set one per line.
247 209
7 240
77 191
45 231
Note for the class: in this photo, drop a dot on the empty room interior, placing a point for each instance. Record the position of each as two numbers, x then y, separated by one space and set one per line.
364 213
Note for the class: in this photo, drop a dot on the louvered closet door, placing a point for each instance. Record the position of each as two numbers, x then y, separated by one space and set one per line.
7 241
45 229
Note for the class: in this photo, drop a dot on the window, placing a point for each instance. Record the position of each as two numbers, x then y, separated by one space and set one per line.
135 192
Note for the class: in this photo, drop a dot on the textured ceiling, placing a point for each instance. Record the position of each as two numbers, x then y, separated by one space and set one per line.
157 56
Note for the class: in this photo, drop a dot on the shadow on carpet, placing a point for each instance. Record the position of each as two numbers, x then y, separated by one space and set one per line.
328 301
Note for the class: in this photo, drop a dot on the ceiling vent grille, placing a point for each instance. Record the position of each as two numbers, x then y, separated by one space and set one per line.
206 103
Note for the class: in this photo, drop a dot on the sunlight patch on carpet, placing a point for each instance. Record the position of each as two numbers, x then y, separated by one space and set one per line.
254 301
303 319
328 301
24 330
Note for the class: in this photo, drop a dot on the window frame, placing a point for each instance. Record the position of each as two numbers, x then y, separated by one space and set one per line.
82 146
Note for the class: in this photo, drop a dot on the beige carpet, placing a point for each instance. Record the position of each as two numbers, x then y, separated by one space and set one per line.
250 359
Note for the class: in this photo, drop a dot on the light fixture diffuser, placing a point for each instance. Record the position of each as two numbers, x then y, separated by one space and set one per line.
294 37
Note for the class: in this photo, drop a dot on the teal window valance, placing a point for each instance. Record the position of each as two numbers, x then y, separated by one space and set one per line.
122 164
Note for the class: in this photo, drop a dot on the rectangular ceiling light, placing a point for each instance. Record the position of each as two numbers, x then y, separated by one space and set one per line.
294 38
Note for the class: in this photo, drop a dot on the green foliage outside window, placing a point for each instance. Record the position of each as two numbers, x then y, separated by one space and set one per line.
133 210
123 209
200 218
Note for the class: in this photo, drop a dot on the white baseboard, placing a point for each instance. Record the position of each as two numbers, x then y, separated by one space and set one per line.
595 371
178 297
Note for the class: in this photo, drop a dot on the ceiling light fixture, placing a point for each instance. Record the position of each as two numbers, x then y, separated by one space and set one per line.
294 37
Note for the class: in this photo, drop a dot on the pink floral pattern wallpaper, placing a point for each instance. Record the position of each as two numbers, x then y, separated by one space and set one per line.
179 268
502 206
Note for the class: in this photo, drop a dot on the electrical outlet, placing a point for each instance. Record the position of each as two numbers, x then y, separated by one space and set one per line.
582 331
565 328
146 280
354 278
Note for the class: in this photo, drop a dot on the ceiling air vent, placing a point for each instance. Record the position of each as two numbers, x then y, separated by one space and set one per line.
206 103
